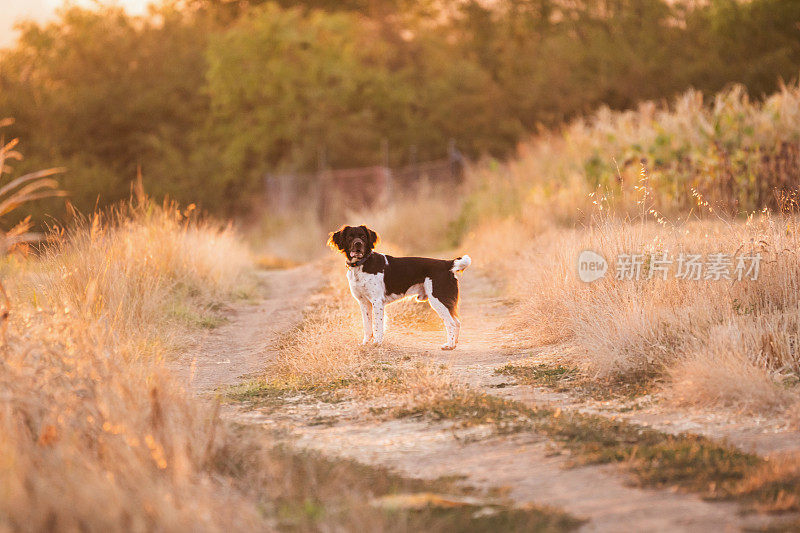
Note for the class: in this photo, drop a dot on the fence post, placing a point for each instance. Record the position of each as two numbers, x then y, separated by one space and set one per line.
322 163
456 161
386 169
322 158
412 161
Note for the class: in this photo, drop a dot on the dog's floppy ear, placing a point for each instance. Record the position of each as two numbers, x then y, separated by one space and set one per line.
374 238
336 240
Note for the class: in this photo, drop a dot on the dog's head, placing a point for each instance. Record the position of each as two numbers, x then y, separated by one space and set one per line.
355 242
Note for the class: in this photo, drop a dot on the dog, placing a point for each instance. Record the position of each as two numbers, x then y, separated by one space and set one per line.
378 279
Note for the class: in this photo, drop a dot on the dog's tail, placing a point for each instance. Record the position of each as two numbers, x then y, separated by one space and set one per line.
460 264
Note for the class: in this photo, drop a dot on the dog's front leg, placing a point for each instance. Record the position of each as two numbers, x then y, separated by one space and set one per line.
366 317
377 321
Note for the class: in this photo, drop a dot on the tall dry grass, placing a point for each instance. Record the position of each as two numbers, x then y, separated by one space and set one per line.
325 348
94 434
21 191
653 180
141 270
720 341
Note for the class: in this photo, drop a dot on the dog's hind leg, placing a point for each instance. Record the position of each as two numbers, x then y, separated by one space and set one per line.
366 317
451 323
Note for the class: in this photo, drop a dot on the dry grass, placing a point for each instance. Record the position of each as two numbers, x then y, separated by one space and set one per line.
650 181
411 313
91 442
21 191
711 378
93 433
415 222
139 271
721 342
324 355
325 348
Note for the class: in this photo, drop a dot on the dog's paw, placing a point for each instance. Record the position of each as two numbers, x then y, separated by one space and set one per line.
366 340
448 346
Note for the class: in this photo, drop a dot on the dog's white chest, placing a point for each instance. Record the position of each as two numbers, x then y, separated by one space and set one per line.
366 286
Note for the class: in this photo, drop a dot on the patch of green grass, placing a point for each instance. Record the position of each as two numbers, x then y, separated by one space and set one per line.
272 391
569 379
540 374
263 392
775 486
342 494
690 462
474 409
191 316
479 519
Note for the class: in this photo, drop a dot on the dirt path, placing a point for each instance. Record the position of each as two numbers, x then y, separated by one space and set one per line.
523 468
486 347
243 346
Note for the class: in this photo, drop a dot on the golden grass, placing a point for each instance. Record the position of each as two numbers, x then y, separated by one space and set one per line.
411 313
130 270
652 180
22 191
711 378
721 342
415 222
94 434
325 348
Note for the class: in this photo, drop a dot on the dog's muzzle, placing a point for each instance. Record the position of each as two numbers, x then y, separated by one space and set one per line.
357 249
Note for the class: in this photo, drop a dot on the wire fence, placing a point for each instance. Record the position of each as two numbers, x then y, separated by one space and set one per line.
330 192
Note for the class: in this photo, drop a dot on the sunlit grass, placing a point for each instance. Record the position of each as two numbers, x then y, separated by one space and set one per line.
654 180
96 435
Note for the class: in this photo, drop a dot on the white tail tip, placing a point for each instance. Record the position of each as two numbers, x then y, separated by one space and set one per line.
461 263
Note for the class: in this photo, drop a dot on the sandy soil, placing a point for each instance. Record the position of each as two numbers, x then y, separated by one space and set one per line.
523 468
243 346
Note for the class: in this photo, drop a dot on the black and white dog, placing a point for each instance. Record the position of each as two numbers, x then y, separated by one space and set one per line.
377 279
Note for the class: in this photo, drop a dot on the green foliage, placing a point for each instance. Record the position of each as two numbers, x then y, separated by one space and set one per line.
207 96
284 84
103 93
308 81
